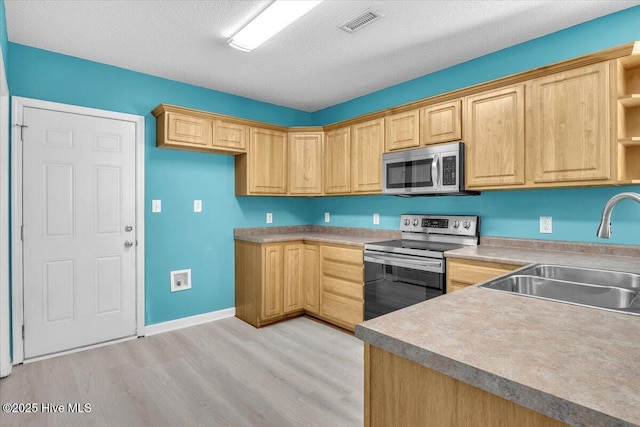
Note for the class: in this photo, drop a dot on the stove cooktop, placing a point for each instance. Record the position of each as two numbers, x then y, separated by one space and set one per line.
417 245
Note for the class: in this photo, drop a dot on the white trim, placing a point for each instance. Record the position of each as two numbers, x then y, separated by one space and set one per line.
16 202
79 349
5 328
186 322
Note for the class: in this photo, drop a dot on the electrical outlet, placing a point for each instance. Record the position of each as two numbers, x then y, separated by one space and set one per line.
376 219
546 224
327 217
156 206
197 205
180 280
269 218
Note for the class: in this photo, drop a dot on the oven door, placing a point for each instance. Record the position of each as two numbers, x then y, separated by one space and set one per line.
395 281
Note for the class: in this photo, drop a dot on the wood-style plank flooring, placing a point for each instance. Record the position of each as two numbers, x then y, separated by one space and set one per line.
224 373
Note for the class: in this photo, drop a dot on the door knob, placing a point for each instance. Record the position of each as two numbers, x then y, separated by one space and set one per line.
128 244
128 228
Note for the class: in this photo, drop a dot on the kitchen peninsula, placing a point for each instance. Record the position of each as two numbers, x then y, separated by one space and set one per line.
477 357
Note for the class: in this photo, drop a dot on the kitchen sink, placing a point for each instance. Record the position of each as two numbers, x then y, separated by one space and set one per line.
584 275
602 289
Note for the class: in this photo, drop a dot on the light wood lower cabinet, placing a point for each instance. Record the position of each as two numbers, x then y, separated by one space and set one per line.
268 285
275 281
399 392
342 299
462 272
311 278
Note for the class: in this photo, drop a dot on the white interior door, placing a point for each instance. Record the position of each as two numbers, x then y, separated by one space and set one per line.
79 237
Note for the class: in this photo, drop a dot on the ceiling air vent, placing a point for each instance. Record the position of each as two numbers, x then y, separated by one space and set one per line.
366 17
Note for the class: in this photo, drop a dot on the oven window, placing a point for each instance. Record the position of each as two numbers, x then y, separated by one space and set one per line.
389 288
415 173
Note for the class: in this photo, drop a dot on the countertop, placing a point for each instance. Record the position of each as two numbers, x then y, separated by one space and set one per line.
324 234
576 364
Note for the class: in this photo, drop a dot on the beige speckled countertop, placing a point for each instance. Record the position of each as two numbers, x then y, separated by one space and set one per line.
576 364
324 234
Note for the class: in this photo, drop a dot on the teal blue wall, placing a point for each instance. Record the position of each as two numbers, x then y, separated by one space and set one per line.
611 30
176 238
575 212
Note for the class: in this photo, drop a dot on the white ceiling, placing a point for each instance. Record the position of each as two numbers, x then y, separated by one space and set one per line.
311 64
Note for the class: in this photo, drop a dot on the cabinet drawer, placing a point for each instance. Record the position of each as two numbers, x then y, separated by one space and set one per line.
460 273
347 272
343 311
341 254
335 286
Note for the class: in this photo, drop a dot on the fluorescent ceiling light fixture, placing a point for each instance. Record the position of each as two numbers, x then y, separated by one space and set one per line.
271 21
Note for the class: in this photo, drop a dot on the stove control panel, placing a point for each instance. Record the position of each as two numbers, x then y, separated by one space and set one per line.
456 225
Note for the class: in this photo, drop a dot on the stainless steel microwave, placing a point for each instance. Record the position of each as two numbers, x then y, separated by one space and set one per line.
428 171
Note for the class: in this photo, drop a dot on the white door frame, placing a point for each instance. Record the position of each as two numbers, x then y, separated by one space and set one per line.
16 203
5 354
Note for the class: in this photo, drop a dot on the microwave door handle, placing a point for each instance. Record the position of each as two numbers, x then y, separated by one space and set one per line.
435 175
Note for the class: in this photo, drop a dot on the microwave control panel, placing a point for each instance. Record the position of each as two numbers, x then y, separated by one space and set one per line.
449 164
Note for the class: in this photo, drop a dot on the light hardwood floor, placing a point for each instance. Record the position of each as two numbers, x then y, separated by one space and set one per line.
225 373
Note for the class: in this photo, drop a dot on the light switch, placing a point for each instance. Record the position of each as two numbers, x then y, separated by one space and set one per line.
197 205
156 206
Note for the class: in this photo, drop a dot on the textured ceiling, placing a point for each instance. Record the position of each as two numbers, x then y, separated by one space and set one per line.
311 64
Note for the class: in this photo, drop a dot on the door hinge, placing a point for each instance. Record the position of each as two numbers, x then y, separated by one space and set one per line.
22 233
22 331
22 131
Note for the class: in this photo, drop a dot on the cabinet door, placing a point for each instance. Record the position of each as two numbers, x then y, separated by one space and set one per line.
569 129
267 161
293 264
403 131
337 161
441 123
189 131
272 280
230 136
367 144
494 137
305 163
311 278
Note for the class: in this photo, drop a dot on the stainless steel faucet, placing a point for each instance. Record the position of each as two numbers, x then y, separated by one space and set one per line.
604 230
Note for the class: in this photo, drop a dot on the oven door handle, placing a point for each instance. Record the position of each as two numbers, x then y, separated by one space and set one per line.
399 261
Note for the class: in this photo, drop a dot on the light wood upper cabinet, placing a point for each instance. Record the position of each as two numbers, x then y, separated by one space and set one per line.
337 161
569 131
230 136
293 276
183 130
263 170
495 138
441 123
272 280
403 131
305 162
311 278
367 145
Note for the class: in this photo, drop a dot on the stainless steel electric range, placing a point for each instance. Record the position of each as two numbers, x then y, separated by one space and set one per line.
400 273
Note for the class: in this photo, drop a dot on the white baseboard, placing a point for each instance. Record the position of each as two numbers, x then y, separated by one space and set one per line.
185 322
